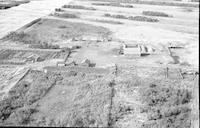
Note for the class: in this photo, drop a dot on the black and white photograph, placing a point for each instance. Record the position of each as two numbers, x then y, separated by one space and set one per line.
99 63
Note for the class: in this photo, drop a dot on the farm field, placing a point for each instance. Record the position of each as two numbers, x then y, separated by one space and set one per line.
103 63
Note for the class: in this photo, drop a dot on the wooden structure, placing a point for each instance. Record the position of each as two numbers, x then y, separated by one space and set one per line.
137 50
131 50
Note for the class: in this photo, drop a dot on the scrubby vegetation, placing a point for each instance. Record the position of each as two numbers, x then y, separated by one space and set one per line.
166 106
153 13
41 86
18 36
136 18
27 39
18 107
89 97
113 4
21 116
78 7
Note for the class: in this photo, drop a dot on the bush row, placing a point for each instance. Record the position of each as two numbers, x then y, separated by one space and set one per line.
113 4
153 13
135 18
65 15
78 7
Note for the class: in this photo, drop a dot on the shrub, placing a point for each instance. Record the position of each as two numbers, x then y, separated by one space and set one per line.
152 13
59 10
65 49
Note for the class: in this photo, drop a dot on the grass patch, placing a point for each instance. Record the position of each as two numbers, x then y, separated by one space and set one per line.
113 4
78 7
153 13
135 18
